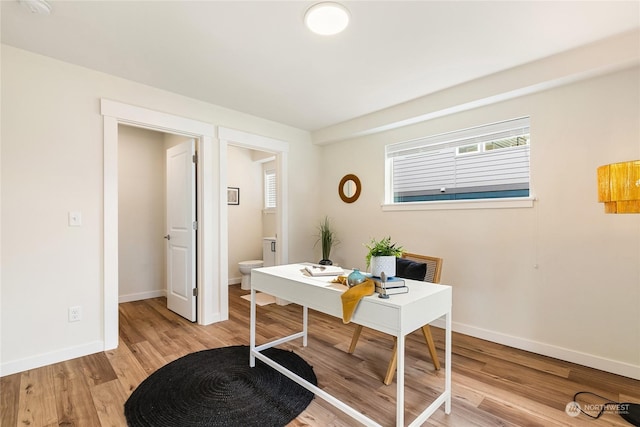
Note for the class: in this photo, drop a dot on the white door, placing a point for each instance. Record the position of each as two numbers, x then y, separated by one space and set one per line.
181 230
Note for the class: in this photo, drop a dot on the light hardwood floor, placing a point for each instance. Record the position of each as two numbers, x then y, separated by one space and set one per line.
493 385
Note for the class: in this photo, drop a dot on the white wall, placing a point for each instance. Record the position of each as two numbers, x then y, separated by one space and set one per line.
580 303
561 278
52 163
141 214
245 219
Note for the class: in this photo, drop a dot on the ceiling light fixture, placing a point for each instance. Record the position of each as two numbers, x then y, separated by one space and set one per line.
41 7
327 18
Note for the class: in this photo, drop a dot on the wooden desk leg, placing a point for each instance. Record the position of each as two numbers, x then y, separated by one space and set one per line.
426 331
391 369
354 340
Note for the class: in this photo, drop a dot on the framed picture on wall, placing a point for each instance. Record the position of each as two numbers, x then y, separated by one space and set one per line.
233 196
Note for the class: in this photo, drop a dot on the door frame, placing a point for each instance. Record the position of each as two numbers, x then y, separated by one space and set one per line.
212 237
237 138
212 304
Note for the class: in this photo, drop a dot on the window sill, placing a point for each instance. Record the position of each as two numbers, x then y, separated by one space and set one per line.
269 211
506 203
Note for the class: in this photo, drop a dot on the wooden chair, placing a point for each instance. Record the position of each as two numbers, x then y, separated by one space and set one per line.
434 270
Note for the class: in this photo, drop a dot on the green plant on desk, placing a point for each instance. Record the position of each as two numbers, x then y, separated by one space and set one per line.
382 247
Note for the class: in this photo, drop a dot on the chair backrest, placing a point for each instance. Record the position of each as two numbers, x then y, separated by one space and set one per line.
434 265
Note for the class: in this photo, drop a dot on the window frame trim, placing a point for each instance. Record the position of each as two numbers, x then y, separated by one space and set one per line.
458 204
463 204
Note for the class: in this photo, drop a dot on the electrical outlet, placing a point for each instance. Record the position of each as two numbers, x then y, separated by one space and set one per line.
75 313
75 219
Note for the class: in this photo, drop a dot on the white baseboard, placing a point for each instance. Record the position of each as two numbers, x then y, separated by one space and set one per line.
234 280
142 295
45 359
585 359
213 318
580 358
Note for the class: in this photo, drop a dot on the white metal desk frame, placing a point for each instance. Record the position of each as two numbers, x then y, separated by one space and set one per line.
428 302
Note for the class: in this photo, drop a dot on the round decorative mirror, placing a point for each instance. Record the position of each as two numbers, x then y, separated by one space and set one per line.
349 188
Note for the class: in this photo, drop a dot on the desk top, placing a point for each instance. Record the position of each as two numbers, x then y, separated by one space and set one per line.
399 314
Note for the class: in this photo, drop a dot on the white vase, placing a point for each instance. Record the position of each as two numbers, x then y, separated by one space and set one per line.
383 263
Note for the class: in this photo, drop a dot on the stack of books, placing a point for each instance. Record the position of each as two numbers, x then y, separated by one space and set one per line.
394 285
324 270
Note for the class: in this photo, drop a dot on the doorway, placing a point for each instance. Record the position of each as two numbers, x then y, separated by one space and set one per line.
156 214
280 150
212 236
251 218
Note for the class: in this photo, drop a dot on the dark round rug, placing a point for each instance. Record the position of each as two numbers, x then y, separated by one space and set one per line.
218 388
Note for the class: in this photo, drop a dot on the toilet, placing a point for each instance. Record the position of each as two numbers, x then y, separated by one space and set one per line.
268 260
245 269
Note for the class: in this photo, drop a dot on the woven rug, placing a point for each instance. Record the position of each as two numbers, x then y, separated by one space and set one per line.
218 388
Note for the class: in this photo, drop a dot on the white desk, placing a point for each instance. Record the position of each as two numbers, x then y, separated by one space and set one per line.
398 316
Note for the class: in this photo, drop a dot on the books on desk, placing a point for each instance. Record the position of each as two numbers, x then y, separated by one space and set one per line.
393 291
394 285
324 270
392 282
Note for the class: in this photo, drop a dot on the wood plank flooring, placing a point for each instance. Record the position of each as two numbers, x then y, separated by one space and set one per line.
493 385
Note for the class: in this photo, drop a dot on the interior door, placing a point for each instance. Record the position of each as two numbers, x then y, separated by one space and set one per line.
181 230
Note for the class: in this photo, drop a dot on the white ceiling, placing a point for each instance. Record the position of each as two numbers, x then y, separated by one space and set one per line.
258 58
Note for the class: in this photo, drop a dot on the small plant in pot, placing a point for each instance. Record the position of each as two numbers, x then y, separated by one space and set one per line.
382 256
327 239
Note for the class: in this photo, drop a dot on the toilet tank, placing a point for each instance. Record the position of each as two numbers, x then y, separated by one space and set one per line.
269 251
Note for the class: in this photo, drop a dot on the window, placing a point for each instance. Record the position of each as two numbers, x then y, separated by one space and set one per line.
270 189
485 162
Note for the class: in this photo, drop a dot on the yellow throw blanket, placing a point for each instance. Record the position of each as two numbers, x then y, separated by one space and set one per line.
352 296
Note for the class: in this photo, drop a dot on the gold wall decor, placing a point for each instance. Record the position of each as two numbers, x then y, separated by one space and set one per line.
619 187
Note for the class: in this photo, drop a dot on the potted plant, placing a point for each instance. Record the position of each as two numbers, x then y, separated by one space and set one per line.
382 256
327 238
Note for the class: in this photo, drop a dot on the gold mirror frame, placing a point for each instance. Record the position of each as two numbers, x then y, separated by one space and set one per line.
356 182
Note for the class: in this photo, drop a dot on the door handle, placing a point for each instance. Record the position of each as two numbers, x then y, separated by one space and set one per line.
168 237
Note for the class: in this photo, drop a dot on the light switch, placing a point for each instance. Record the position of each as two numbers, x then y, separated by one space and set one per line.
75 219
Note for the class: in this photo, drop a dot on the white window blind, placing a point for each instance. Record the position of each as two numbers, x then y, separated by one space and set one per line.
490 161
270 189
